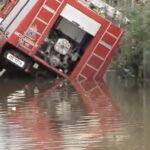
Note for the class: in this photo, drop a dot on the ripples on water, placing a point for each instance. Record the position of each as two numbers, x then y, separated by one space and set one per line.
70 116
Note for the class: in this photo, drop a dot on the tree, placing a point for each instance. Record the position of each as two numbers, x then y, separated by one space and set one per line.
135 43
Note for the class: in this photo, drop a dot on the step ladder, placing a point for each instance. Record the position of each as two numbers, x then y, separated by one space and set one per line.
40 23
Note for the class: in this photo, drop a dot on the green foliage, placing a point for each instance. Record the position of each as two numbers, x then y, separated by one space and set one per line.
136 41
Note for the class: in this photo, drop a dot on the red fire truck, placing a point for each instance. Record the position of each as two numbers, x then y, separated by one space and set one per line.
66 37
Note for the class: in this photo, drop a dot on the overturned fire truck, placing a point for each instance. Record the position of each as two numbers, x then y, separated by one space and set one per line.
66 37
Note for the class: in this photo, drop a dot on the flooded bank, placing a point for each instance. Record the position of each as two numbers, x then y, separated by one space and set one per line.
63 115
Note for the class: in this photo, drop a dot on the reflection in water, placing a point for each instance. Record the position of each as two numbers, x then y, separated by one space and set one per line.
68 116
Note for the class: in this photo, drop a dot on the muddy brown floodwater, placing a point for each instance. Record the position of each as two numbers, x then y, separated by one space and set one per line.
63 115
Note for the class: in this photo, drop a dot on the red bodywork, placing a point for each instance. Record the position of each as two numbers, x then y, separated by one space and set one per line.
7 8
30 33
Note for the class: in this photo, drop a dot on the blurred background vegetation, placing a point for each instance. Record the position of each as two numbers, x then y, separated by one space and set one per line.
2 3
133 59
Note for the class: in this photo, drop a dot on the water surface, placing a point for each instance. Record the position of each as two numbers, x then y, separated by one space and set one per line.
49 115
